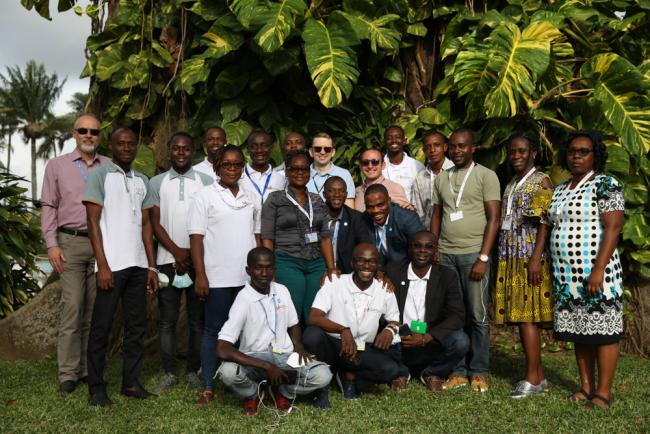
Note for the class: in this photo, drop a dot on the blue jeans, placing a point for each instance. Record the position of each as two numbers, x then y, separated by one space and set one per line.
437 359
244 380
217 306
476 294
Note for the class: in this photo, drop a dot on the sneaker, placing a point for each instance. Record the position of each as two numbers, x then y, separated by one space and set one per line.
524 389
348 387
100 399
321 399
282 403
479 384
167 381
432 382
544 384
193 381
67 387
137 392
251 406
455 381
400 383
207 396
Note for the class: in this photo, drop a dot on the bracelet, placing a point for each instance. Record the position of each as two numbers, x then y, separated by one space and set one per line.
390 329
155 270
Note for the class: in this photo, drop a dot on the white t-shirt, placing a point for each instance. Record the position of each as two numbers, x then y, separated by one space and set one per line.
228 224
259 321
414 307
403 173
206 168
344 303
253 182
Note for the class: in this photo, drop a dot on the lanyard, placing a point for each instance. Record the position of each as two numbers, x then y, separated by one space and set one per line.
313 179
309 215
356 311
257 187
511 193
82 171
381 237
569 192
273 330
462 186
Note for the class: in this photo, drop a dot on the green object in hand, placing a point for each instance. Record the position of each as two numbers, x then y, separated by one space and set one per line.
419 327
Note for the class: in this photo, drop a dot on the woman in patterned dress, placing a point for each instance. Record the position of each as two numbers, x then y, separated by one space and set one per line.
587 215
523 289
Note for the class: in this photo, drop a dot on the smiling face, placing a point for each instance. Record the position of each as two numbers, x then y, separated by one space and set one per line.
520 155
378 206
88 141
293 142
298 171
214 140
335 194
259 148
365 262
371 164
322 151
434 147
230 168
123 146
461 149
580 156
394 140
421 249
181 153
261 271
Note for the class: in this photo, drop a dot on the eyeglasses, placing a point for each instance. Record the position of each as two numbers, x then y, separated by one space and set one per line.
299 169
84 131
230 165
323 149
373 162
583 152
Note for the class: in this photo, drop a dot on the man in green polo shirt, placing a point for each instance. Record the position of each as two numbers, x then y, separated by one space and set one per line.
465 220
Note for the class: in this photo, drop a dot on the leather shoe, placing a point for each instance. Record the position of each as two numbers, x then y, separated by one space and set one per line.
100 399
137 392
67 387
432 382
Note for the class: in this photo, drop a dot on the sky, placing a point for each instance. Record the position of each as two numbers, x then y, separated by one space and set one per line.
59 45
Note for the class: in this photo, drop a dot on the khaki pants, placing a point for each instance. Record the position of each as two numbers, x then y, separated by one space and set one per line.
76 306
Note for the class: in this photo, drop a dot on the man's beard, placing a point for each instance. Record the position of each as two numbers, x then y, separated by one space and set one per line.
87 148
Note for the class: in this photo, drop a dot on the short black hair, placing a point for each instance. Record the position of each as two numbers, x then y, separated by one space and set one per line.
376 188
397 127
256 252
428 133
294 154
528 136
600 150
118 130
214 127
184 134
468 131
222 152
332 179
259 132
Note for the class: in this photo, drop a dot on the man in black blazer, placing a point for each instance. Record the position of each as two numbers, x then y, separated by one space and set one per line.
389 226
432 313
345 223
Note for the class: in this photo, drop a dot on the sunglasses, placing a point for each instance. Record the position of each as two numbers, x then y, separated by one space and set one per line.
323 149
230 165
373 162
84 131
583 152
298 169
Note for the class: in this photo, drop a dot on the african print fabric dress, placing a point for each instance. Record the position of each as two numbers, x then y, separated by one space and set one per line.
575 240
515 299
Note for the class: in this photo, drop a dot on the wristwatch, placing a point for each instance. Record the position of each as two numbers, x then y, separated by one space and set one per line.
483 258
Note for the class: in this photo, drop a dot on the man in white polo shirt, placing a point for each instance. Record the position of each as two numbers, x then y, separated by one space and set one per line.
264 321
214 140
400 168
171 193
259 179
344 323
117 201
322 151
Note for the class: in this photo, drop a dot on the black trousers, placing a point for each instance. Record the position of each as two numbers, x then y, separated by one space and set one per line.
130 285
372 365
437 359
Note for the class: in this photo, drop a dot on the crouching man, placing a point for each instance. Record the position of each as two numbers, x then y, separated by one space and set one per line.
344 324
264 321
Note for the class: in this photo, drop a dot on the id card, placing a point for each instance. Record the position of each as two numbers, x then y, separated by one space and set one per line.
419 327
455 216
505 225
361 344
311 236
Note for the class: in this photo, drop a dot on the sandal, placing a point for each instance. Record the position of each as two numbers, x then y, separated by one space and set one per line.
575 398
590 405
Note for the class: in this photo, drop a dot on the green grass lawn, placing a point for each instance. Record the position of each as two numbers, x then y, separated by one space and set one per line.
29 402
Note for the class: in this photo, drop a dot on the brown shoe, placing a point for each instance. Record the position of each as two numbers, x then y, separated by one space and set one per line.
454 381
479 384
206 397
433 382
400 383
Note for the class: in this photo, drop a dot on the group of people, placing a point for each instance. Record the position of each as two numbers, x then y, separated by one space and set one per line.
293 277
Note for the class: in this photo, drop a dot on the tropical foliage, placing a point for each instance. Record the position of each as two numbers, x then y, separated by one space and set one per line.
353 67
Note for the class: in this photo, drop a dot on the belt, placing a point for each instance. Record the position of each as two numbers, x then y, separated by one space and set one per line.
75 232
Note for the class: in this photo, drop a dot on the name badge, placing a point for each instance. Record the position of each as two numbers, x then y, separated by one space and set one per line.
505 225
311 236
419 327
455 216
361 344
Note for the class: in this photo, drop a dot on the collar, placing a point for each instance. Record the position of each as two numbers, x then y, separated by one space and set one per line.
174 174
253 171
404 160
338 217
447 164
112 167
410 274
240 193
76 155
256 295
379 180
315 172
354 289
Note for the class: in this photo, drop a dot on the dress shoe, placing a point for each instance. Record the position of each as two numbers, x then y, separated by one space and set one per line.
67 387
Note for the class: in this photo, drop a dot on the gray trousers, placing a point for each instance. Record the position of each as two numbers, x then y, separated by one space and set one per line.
78 287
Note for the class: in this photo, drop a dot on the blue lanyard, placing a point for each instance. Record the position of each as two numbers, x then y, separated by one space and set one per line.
381 236
82 171
274 330
257 187
313 179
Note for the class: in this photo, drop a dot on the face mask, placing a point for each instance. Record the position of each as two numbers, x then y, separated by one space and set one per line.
182 281
163 280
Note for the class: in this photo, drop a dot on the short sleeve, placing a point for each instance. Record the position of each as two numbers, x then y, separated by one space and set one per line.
148 201
292 315
320 215
349 183
491 186
154 189
323 300
392 310
197 216
609 195
269 217
94 192
232 329
435 193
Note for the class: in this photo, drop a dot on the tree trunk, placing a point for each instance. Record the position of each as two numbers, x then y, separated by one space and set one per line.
637 318
9 153
33 149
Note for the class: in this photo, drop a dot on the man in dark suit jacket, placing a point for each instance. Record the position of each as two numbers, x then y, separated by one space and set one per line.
389 226
346 225
432 313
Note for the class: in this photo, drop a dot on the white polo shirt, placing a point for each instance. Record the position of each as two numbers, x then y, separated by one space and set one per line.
255 183
281 169
344 303
403 173
259 321
414 306
122 197
228 224
206 168
173 193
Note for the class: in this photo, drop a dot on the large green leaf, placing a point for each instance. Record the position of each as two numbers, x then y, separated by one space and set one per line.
193 70
637 230
623 94
280 20
331 61
221 40
376 30
237 131
245 10
231 81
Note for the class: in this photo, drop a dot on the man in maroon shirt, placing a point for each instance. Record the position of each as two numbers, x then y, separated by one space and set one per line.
63 222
